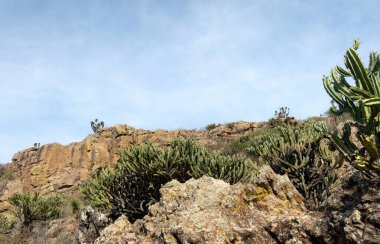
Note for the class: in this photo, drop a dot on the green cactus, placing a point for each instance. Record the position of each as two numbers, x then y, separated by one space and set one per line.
299 153
29 208
362 101
134 184
96 126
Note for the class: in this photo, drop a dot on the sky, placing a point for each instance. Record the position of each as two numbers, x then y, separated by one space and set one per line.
167 64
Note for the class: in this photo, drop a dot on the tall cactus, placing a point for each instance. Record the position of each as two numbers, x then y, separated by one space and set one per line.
362 101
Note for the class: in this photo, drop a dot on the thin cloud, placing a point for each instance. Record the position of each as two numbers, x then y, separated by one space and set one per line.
166 65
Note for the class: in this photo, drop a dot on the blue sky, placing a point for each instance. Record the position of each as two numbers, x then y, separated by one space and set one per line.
167 64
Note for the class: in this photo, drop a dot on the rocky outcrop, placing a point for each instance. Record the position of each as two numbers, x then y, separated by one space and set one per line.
268 211
353 210
57 168
212 211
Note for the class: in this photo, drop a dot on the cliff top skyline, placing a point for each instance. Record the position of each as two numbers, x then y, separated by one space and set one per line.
173 64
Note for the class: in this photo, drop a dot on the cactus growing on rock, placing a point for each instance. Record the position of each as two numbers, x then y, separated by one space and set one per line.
362 101
134 184
96 126
300 153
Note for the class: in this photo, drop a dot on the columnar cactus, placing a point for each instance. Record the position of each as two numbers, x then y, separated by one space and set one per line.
362 101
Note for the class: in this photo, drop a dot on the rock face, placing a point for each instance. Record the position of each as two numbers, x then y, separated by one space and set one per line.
354 210
269 211
212 211
57 168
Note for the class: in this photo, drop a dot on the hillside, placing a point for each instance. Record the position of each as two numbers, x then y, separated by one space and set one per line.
55 168
198 210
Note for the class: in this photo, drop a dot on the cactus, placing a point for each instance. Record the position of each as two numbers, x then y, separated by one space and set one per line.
96 126
299 153
134 184
282 117
29 208
361 100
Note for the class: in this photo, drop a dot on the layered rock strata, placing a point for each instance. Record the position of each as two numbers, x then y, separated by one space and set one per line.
56 168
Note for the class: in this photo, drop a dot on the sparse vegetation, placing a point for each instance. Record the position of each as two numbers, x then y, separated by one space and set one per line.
6 175
6 225
230 125
76 206
29 208
141 170
210 127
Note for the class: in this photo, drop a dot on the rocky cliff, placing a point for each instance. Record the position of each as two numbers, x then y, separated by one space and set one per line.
270 210
57 168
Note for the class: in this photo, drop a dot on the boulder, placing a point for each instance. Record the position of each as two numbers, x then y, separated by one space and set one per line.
207 210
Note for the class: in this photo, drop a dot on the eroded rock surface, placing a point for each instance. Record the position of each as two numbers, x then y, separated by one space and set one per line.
56 168
212 211
353 210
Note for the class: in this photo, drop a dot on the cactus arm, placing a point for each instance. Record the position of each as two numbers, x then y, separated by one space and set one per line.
333 94
361 92
355 65
376 82
371 101
370 144
342 71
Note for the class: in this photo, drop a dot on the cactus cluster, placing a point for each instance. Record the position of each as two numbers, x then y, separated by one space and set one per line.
361 99
96 126
282 117
29 208
300 153
134 184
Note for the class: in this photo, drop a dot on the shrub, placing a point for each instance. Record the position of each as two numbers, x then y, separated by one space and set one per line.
361 100
75 206
29 208
300 153
230 125
210 127
6 175
6 225
134 184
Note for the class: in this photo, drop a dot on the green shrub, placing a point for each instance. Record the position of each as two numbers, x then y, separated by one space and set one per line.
6 175
230 125
210 127
29 208
300 153
361 100
6 225
76 206
134 184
